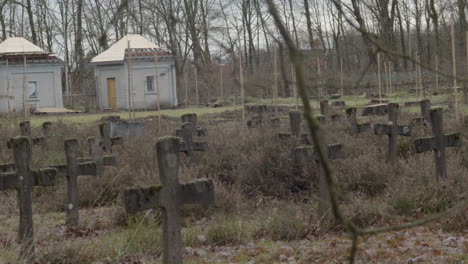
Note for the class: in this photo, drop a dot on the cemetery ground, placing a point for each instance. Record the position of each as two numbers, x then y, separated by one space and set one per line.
263 213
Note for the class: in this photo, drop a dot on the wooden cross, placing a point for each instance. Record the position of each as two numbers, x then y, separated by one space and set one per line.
393 130
356 128
305 153
188 146
192 119
169 196
71 171
438 142
295 119
106 140
23 180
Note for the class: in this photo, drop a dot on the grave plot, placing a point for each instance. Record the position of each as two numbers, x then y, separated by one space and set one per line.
265 196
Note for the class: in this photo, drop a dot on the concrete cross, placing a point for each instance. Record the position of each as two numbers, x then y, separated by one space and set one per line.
425 113
306 153
188 146
96 155
169 196
106 140
295 119
356 128
71 171
393 130
192 119
23 180
25 131
438 142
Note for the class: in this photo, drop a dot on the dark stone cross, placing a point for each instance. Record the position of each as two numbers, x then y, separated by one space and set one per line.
192 119
106 140
425 113
356 128
295 119
71 171
23 180
169 196
393 130
324 108
438 142
188 146
306 153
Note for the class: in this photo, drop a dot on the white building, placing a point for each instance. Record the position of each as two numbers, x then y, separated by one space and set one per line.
42 83
112 75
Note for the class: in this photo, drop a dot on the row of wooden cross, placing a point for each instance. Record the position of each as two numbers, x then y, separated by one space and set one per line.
20 177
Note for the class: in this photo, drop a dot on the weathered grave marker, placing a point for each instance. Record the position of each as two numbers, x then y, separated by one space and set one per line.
306 153
25 131
356 128
378 109
188 146
338 103
71 171
192 119
106 140
425 113
295 119
97 156
324 108
23 180
393 130
169 196
438 142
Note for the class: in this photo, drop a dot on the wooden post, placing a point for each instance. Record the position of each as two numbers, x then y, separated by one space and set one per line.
454 68
465 83
221 80
275 73
437 73
319 73
386 77
391 76
341 77
421 90
25 88
129 69
393 130
8 91
196 87
156 85
186 88
293 83
169 196
378 76
242 84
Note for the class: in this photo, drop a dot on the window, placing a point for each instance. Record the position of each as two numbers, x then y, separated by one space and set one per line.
32 90
150 84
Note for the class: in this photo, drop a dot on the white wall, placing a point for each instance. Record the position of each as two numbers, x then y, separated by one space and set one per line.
49 86
140 70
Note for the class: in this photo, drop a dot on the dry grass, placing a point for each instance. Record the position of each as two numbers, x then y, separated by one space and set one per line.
256 195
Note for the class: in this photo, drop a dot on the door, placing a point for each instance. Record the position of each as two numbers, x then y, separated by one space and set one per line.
112 93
